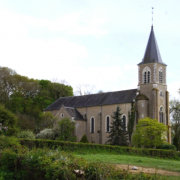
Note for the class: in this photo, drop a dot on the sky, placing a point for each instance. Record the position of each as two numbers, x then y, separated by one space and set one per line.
93 42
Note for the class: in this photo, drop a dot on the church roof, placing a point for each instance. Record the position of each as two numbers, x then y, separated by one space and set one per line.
74 113
152 54
117 97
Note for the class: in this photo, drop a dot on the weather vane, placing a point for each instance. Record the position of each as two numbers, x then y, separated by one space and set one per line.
152 16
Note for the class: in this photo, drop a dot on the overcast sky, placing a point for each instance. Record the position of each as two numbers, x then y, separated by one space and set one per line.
95 42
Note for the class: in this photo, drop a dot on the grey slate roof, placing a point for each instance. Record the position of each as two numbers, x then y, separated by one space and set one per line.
117 97
74 113
152 54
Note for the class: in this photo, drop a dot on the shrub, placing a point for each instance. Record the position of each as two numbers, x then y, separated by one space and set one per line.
8 119
46 134
94 148
40 164
167 146
84 139
8 142
64 131
26 134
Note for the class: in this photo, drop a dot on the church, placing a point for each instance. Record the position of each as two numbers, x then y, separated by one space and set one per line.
92 113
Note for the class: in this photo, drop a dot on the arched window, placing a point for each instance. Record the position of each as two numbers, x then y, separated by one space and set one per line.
146 75
161 114
107 124
124 122
160 75
92 125
145 78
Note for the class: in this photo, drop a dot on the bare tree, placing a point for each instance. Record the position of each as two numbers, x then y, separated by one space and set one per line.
84 89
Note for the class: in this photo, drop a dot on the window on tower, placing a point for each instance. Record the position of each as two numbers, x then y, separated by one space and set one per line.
146 75
160 75
161 114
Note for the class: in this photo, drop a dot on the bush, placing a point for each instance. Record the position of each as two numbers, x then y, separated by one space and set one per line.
9 120
94 148
84 139
167 146
26 134
40 164
8 142
46 134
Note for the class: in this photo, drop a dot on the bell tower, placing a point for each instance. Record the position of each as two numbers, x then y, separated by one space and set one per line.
153 97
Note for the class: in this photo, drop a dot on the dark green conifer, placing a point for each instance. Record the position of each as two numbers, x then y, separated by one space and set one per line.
118 134
84 139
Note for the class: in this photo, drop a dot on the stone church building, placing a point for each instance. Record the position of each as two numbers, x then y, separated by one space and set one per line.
92 113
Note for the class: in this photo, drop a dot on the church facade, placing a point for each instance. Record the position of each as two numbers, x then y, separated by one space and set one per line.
92 113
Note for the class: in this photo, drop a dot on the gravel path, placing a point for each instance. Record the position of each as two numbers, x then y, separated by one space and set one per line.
147 170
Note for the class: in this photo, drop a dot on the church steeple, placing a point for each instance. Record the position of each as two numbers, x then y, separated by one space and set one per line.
152 54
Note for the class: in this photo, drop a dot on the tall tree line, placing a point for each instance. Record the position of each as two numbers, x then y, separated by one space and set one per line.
27 97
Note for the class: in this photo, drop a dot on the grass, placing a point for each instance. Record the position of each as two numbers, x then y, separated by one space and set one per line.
164 164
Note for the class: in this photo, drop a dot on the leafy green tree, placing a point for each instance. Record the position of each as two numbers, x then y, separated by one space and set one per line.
131 117
149 133
47 120
28 97
65 130
175 121
9 120
26 122
117 135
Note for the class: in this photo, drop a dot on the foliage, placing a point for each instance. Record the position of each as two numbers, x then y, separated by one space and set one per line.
131 117
64 131
26 121
39 164
95 148
46 134
117 134
47 120
84 139
149 133
26 134
167 146
8 119
8 142
175 119
28 97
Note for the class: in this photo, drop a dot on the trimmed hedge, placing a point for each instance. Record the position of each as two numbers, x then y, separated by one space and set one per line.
88 147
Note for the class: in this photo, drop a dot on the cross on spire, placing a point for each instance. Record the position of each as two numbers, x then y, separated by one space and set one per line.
152 16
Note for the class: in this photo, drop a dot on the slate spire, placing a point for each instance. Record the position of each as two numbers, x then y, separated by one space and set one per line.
152 54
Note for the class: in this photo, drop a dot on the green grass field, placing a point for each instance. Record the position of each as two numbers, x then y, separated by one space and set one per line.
158 163
164 164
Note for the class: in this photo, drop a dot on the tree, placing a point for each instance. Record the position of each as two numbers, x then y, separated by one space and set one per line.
47 120
131 117
84 89
28 97
118 134
149 133
65 130
9 120
175 120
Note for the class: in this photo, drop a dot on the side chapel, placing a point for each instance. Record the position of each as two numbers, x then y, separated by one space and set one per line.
92 113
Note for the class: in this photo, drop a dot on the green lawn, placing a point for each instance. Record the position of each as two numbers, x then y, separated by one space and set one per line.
164 164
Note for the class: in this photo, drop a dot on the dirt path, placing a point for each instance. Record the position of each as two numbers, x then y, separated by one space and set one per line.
147 170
